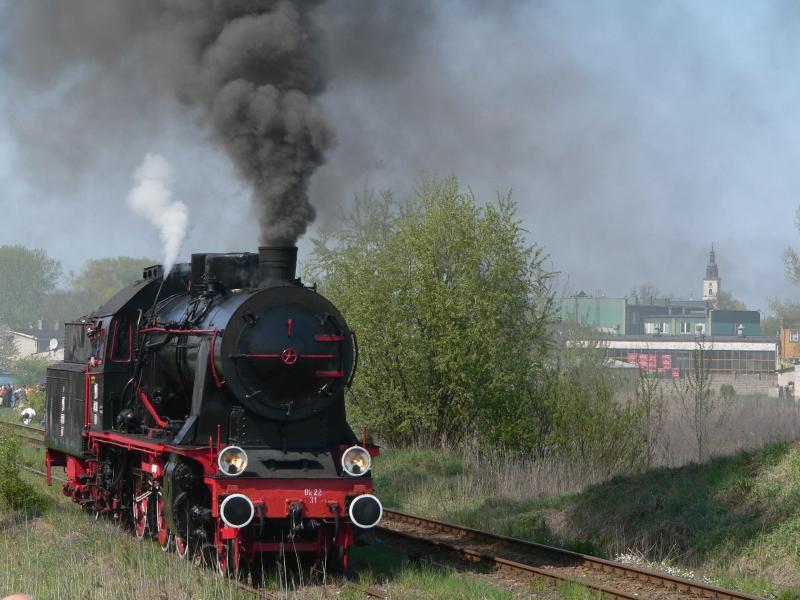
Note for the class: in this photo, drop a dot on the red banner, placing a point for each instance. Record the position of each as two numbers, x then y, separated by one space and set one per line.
676 373
666 361
633 358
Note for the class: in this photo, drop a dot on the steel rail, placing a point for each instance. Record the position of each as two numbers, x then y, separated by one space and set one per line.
560 557
22 426
32 435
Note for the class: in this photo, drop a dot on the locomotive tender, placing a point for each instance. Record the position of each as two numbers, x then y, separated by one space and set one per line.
206 407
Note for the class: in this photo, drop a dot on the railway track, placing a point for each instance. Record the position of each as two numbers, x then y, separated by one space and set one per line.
528 559
554 565
32 435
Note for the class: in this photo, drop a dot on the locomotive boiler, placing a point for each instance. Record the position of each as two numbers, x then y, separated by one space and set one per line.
205 406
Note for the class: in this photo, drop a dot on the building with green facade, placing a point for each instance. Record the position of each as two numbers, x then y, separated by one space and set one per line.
632 315
605 315
663 336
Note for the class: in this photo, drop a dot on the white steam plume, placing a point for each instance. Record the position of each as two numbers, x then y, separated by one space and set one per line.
152 199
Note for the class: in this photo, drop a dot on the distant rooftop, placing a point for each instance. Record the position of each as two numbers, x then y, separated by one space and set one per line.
41 330
689 338
647 300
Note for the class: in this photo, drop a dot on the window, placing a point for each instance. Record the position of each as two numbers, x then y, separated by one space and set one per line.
122 342
794 336
699 328
685 328
648 328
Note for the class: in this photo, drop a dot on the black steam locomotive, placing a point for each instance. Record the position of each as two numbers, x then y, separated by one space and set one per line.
206 407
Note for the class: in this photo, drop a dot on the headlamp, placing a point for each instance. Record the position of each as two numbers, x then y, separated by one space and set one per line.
232 461
356 461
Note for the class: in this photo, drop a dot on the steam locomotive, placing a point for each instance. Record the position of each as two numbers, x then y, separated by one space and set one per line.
205 407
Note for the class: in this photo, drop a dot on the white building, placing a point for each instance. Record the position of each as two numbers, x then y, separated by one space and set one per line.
42 338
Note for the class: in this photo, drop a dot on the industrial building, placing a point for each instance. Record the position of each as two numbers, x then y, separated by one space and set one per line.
664 336
674 356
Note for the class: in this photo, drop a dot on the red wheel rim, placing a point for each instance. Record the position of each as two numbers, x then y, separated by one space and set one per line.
181 547
161 525
222 558
140 518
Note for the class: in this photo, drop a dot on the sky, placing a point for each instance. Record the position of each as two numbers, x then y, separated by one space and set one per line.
632 134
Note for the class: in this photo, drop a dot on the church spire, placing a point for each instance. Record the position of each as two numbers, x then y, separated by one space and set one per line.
711 268
712 280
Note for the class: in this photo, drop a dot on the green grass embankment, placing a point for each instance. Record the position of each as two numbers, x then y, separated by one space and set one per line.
733 520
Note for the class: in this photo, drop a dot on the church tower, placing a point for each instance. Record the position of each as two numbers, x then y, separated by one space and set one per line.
711 282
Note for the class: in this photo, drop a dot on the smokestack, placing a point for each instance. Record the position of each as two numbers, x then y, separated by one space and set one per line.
277 263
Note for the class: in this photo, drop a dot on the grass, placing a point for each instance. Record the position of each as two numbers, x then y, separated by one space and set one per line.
9 415
735 520
405 579
574 591
66 553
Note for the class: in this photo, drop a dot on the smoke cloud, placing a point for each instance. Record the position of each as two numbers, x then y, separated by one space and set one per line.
632 134
152 199
247 71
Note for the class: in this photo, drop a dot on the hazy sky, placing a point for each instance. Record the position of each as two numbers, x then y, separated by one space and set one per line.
633 134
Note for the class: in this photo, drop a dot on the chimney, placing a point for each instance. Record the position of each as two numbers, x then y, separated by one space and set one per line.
277 263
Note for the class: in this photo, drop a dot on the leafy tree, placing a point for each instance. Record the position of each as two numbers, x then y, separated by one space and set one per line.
100 279
62 305
452 306
29 290
36 400
791 260
27 276
770 325
30 370
8 349
780 311
726 301
583 417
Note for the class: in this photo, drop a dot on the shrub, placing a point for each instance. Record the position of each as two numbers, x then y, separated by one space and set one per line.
452 304
16 494
36 401
30 370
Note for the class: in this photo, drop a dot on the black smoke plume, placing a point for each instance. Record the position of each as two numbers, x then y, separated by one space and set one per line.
248 70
